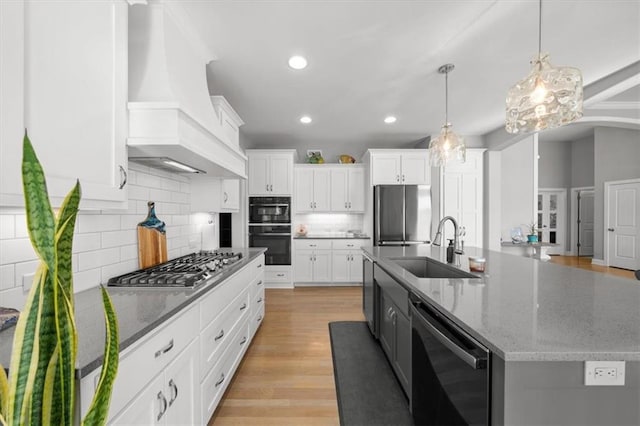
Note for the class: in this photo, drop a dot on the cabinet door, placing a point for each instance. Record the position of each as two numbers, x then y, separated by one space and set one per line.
356 190
259 175
230 194
64 78
322 266
387 329
281 174
403 350
355 267
339 190
385 169
148 408
340 264
322 190
303 266
415 168
181 383
304 190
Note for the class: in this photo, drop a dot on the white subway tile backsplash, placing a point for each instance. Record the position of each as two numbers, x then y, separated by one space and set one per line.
179 197
25 270
185 188
7 277
98 258
116 269
130 221
17 250
98 223
7 226
85 280
13 298
132 176
170 185
119 238
129 252
138 193
21 226
159 195
86 242
148 181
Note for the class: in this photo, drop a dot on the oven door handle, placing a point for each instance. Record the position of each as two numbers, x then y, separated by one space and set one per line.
271 234
475 362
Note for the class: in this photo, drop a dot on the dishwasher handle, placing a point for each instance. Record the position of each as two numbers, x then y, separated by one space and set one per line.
475 362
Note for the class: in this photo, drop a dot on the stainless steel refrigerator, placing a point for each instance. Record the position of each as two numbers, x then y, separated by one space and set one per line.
402 214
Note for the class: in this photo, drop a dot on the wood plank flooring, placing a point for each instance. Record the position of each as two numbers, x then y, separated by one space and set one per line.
286 377
585 263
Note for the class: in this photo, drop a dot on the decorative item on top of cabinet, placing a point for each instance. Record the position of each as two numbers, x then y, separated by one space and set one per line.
399 166
83 65
312 186
270 171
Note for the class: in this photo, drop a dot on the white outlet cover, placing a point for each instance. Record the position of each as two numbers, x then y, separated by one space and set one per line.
590 378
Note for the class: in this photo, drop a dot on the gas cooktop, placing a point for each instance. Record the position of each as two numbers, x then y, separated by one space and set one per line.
186 271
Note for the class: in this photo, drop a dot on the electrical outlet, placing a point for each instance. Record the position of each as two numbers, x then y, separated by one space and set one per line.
604 373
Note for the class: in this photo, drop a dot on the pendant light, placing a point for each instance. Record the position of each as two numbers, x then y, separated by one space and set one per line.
548 97
447 146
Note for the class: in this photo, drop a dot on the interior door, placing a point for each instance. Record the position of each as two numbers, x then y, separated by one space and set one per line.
552 207
622 228
585 223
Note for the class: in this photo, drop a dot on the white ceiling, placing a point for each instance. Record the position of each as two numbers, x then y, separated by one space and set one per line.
368 59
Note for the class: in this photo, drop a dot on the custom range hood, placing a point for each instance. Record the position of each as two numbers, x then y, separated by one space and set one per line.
173 121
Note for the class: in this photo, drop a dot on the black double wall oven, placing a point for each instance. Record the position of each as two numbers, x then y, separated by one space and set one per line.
270 227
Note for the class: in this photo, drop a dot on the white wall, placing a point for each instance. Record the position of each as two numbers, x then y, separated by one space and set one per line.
617 157
492 201
519 186
105 243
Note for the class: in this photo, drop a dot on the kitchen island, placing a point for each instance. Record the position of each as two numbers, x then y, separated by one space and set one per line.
541 322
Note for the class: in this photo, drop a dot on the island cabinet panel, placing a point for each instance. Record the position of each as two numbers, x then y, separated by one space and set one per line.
63 71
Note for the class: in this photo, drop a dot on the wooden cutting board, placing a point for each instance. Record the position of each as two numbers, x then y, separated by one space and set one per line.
152 247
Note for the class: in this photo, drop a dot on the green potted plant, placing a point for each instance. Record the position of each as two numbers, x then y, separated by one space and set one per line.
532 236
40 388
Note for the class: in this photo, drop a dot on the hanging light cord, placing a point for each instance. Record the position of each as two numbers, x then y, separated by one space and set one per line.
539 29
446 98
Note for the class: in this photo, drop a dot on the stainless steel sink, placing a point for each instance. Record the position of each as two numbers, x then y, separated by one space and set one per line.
424 267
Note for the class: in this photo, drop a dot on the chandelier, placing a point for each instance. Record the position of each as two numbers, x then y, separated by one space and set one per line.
447 145
548 97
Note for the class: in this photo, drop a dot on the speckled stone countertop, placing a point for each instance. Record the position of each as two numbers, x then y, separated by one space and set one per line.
139 311
330 237
527 310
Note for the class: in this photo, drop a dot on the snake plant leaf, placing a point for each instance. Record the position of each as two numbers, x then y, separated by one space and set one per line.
4 393
99 408
48 389
65 226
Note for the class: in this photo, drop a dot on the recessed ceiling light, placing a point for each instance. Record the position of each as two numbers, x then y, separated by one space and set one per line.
390 119
305 119
297 62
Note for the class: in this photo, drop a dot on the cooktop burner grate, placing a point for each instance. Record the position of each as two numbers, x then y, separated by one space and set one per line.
186 271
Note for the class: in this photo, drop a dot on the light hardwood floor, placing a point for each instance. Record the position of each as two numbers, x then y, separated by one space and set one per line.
585 263
286 377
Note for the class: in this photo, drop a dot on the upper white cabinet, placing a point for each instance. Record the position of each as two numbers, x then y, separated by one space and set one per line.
230 195
271 172
214 195
63 76
462 196
347 188
399 167
312 186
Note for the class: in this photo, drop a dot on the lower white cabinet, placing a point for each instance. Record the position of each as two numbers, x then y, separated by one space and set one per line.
328 261
347 266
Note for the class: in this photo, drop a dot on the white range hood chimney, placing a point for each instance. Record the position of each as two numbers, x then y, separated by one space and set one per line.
171 115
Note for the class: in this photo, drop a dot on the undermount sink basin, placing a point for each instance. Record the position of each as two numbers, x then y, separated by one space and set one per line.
424 267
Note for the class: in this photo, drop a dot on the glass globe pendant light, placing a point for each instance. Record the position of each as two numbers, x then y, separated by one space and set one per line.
548 97
447 146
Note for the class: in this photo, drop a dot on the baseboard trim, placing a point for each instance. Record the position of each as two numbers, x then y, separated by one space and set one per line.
599 262
277 285
327 284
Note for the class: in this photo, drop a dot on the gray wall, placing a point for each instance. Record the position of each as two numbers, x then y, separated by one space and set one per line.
617 157
519 167
582 162
554 165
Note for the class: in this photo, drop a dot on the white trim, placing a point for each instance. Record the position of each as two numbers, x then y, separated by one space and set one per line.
598 262
605 239
573 204
616 105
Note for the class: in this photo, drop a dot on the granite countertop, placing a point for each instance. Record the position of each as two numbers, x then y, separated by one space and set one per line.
139 311
334 236
527 310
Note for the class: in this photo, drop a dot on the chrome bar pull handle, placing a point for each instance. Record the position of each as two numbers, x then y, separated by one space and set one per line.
163 400
165 349
219 336
174 392
610 229
219 382
123 177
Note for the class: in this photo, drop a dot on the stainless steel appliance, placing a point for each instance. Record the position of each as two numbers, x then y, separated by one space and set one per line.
270 227
450 371
277 240
369 295
191 270
269 210
402 214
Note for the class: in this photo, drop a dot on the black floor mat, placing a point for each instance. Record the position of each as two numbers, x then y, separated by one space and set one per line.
367 390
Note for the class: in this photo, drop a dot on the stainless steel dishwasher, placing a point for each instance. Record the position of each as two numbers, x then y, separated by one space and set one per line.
451 381
369 295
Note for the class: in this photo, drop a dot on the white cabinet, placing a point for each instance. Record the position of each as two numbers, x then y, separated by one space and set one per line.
230 195
270 172
347 189
312 261
63 76
347 260
214 195
399 167
462 197
312 189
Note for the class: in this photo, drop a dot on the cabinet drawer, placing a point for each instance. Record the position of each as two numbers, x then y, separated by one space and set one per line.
257 286
147 359
312 244
216 382
354 244
283 276
215 337
257 319
395 291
